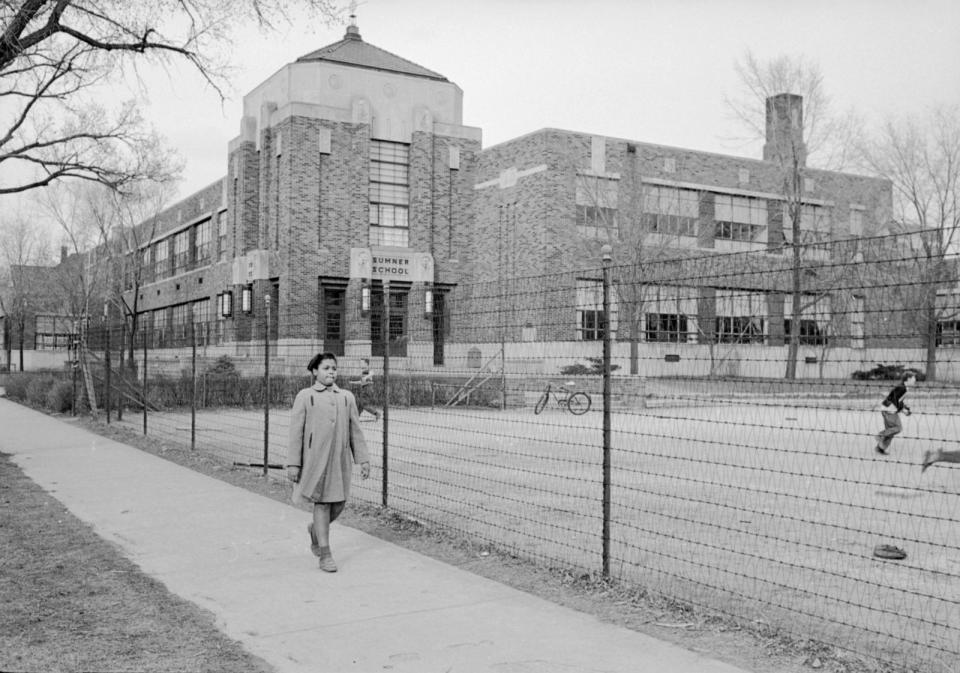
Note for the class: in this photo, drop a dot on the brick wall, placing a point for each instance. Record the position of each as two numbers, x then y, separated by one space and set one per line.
530 226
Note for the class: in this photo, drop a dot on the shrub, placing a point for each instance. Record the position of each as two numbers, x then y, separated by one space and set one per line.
60 396
38 388
16 386
595 368
220 383
222 366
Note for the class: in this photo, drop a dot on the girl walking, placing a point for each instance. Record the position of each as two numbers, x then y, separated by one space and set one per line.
325 440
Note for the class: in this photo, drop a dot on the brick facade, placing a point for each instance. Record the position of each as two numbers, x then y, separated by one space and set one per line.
497 226
532 180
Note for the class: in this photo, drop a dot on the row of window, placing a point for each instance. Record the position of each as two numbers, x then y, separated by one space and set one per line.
671 313
675 328
181 252
675 211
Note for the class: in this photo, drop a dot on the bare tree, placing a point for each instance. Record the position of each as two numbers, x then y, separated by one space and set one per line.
771 91
646 226
57 55
22 246
78 211
921 158
127 223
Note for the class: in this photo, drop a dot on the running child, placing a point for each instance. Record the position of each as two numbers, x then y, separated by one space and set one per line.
890 408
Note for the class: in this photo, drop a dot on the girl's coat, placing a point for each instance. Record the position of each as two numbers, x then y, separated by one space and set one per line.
325 438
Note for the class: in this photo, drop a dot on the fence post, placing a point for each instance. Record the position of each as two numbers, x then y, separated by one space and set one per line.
143 387
74 364
607 258
73 384
123 375
266 387
193 383
386 390
106 360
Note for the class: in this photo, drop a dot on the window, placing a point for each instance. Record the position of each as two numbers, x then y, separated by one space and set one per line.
398 323
810 334
814 319
740 218
389 193
590 310
222 235
52 333
160 326
200 310
333 303
596 201
181 324
203 237
670 313
127 269
814 225
948 333
739 330
146 264
591 325
670 327
671 211
740 317
856 223
441 322
181 251
161 257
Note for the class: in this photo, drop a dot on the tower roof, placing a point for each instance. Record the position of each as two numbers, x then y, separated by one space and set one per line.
352 50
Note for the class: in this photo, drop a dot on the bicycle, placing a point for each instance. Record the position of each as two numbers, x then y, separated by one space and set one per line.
576 402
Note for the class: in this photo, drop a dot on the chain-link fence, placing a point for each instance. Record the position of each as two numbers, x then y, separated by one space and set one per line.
702 427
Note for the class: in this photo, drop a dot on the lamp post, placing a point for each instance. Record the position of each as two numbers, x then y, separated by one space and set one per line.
266 387
607 257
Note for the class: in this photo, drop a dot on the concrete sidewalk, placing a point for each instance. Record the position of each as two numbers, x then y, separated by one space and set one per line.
246 558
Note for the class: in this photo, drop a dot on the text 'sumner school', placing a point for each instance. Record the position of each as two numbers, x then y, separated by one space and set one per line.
352 167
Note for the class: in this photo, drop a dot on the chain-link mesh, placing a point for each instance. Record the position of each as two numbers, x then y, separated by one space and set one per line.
743 414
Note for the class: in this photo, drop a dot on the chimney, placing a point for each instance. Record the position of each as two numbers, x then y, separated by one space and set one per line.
63 254
785 129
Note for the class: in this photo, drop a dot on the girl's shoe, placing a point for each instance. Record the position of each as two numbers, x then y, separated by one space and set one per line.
314 542
326 561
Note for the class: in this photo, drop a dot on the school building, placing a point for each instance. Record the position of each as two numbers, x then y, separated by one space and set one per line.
353 171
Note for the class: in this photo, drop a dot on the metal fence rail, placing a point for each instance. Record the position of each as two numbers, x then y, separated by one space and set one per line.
726 485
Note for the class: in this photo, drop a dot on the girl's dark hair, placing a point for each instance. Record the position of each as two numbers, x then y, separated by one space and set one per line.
318 358
908 374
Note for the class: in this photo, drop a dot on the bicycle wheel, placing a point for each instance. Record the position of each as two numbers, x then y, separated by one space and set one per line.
579 403
542 402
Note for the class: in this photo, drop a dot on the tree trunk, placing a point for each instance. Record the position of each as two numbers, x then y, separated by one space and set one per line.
793 349
21 346
931 341
131 343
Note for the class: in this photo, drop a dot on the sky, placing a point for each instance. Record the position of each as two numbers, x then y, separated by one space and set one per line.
653 71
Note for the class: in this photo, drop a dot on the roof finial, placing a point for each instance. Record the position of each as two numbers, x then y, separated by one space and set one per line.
352 31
